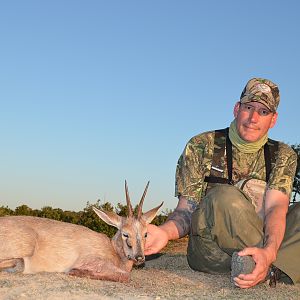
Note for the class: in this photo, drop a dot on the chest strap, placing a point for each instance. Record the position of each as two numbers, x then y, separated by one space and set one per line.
222 139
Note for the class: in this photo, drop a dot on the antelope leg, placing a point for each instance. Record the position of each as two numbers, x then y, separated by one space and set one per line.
12 265
101 270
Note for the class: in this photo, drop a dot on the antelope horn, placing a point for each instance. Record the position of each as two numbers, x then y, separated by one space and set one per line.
139 214
129 206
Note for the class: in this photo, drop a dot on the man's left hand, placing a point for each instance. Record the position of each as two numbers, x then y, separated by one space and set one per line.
262 259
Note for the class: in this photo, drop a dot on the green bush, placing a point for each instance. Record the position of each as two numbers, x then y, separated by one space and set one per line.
86 217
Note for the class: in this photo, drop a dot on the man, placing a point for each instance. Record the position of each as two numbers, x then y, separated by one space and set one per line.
219 213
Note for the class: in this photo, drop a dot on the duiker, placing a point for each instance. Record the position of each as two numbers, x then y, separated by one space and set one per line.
32 244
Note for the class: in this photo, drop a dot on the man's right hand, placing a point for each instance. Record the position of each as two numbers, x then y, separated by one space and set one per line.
157 239
177 226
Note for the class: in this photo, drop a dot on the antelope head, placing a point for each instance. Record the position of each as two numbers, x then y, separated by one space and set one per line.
132 230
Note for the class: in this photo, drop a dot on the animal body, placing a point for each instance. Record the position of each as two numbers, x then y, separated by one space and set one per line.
31 244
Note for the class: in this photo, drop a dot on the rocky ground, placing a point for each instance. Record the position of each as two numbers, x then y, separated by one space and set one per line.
165 277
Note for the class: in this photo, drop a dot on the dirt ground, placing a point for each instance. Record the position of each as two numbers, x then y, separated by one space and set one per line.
165 277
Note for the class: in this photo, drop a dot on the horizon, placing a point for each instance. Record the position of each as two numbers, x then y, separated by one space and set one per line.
95 93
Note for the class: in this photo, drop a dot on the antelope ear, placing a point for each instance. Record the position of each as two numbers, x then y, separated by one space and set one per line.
150 215
109 217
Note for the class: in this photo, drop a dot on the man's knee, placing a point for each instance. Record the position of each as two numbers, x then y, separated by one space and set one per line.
204 255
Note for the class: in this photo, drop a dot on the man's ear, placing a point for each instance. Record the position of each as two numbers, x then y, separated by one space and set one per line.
273 120
236 108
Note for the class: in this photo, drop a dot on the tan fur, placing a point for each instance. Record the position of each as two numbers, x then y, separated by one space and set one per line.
32 245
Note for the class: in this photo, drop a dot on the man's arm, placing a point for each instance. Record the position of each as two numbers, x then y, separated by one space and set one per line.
177 225
275 221
276 207
182 215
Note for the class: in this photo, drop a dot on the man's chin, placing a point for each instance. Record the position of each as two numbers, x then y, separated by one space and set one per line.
250 138
250 135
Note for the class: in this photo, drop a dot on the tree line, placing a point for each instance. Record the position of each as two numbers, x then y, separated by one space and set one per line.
86 217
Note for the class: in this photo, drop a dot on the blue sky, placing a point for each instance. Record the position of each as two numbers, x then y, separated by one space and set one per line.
96 92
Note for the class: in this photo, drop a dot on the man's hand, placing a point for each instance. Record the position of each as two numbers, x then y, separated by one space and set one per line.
177 226
156 240
263 259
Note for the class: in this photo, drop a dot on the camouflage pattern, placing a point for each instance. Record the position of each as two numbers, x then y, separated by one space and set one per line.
193 165
226 221
196 161
263 91
224 214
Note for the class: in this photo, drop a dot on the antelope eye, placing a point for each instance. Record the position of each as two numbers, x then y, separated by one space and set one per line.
125 235
146 234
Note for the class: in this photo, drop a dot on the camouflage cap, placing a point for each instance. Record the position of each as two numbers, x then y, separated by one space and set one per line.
263 91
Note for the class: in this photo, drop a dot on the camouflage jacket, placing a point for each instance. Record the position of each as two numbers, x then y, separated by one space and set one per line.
195 163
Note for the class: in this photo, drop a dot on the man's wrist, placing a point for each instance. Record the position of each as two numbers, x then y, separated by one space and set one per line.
271 253
170 229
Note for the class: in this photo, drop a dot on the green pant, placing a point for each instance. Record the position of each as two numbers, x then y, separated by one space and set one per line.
226 221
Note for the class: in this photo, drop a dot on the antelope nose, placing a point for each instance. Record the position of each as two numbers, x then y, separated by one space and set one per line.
140 259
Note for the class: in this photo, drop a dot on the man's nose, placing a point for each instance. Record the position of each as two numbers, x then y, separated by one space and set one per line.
254 116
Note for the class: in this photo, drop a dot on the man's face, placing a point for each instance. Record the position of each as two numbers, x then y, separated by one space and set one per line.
253 120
